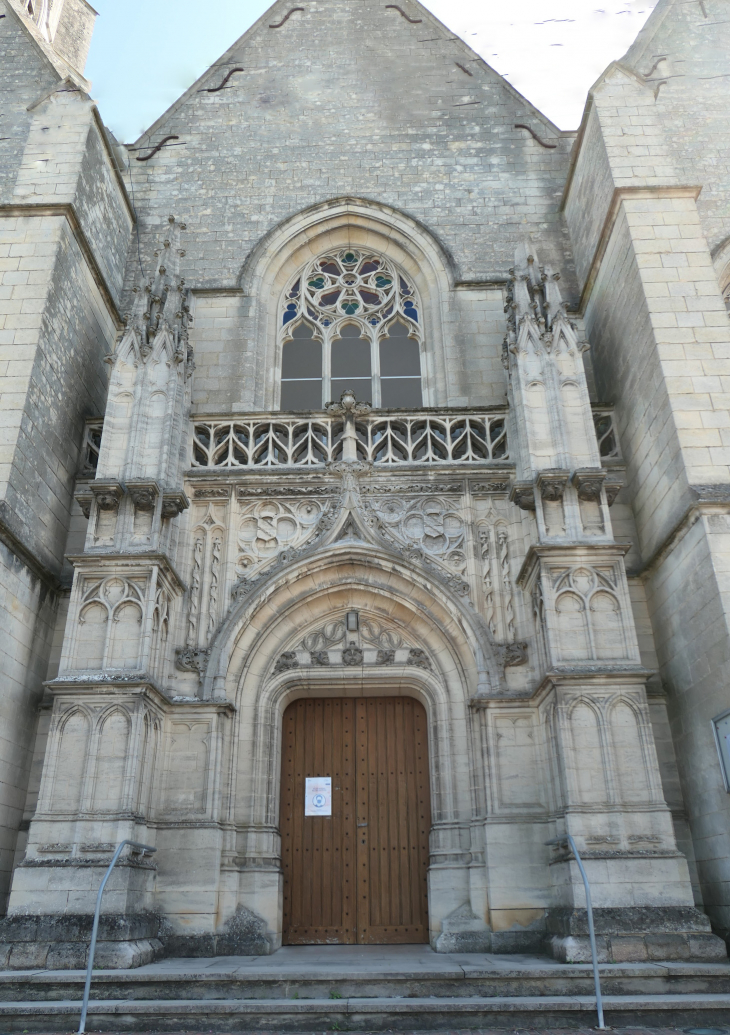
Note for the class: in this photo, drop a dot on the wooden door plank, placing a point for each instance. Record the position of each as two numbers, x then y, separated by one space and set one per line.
314 891
361 874
363 819
397 810
345 793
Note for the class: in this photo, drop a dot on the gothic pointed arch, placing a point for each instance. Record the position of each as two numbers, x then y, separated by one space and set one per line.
337 226
467 648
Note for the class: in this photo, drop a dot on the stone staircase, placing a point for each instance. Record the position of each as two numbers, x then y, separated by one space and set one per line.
371 988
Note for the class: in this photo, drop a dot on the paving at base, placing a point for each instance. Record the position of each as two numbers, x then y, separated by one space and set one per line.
449 1031
407 988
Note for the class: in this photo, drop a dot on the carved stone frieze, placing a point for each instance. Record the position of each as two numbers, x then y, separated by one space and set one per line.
385 657
246 492
319 657
411 489
489 488
221 493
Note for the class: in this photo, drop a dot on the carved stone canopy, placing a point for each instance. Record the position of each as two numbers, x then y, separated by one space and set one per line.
552 484
589 483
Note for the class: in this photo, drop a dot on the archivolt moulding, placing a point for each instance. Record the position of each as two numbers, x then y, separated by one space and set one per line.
311 584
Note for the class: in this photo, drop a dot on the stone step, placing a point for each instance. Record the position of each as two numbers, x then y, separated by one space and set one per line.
281 977
369 1014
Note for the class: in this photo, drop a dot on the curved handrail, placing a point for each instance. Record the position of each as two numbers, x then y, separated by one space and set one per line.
95 928
591 930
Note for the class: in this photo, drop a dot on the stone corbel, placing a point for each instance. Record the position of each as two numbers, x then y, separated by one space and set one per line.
552 484
84 497
174 503
144 494
523 494
613 485
588 482
107 494
192 659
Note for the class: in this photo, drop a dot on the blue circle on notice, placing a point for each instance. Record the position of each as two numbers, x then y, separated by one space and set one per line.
318 801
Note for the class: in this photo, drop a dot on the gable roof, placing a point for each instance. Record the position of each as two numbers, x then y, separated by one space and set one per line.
409 20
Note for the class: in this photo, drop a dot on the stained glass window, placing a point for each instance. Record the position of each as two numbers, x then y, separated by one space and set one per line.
351 319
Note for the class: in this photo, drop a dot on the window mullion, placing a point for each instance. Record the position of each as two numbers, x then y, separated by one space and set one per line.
375 366
327 365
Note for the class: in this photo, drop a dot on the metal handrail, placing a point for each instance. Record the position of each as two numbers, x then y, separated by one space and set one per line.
95 928
591 929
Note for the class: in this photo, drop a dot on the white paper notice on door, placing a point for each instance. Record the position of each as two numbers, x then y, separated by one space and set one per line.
318 796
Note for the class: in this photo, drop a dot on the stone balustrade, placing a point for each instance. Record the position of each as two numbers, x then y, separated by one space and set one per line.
277 440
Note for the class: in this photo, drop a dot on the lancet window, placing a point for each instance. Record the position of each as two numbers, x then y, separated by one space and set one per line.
351 319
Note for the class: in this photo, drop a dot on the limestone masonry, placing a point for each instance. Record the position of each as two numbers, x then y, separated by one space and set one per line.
354 377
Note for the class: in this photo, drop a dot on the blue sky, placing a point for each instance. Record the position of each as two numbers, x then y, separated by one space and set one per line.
145 54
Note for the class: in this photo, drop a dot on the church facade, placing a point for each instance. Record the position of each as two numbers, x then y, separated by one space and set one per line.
365 510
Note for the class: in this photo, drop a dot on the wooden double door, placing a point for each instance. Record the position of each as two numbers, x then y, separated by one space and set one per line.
359 875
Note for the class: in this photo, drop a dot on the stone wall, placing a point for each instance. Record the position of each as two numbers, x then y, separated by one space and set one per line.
654 313
28 608
74 28
64 228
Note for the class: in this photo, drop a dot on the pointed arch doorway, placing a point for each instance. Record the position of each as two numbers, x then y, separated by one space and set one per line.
359 875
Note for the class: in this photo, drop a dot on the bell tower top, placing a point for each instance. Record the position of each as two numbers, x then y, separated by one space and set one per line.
66 24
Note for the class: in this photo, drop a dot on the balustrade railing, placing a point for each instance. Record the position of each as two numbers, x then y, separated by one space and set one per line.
279 441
